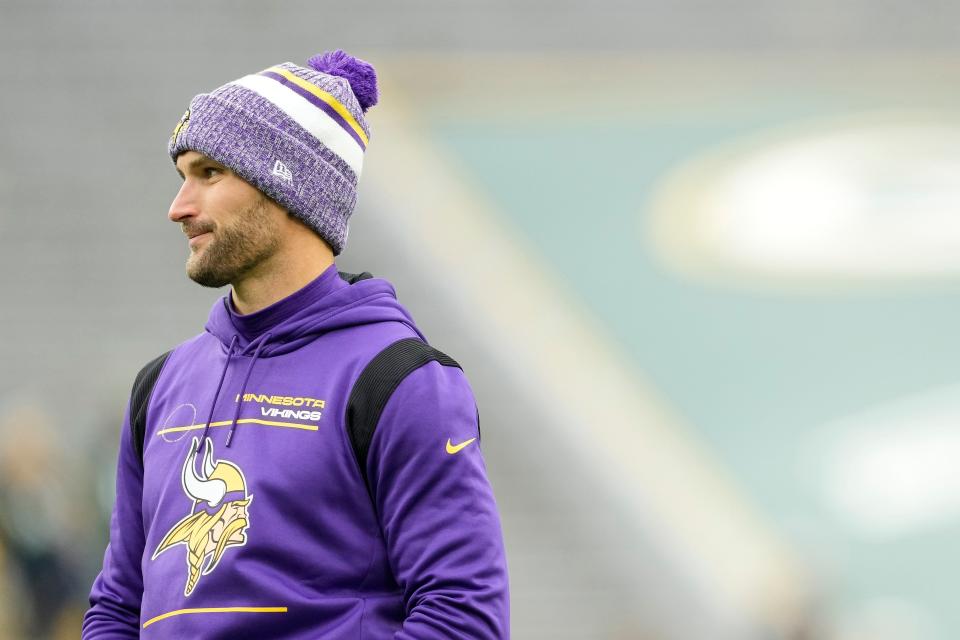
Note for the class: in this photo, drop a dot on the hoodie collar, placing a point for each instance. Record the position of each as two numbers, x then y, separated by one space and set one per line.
332 302
252 325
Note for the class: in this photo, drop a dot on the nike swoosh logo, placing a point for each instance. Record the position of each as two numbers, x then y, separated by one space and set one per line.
453 448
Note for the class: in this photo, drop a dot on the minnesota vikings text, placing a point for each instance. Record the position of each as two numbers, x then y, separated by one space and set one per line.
285 401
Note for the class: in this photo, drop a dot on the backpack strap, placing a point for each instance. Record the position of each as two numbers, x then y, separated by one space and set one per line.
140 398
376 384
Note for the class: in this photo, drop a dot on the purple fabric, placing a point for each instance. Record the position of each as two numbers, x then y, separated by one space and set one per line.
243 386
252 325
336 86
360 73
317 102
423 560
216 394
270 116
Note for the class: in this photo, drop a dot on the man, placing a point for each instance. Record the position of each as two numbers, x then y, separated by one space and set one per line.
308 467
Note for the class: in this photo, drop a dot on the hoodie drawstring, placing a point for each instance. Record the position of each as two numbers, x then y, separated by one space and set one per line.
243 387
223 374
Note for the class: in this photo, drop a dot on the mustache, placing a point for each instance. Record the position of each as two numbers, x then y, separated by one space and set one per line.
195 229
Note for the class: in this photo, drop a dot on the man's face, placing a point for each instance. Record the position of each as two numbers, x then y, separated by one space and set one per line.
233 523
233 228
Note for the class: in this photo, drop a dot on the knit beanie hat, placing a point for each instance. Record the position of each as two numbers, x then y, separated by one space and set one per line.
296 133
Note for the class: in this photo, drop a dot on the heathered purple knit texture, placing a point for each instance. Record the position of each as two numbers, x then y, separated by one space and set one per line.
360 73
253 103
320 195
247 133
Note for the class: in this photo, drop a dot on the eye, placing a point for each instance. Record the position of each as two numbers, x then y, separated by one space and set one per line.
207 171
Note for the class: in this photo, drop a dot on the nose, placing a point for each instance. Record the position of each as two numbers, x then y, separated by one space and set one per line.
184 205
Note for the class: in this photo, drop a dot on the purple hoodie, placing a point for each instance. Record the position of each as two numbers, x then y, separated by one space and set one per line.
275 535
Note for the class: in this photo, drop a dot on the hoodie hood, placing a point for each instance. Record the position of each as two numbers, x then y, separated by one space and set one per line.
332 301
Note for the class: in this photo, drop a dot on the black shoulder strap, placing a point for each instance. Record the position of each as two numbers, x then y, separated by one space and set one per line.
376 384
140 397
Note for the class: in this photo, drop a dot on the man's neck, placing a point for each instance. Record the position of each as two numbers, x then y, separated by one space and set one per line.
277 279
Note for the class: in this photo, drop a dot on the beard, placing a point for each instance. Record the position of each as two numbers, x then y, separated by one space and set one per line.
234 251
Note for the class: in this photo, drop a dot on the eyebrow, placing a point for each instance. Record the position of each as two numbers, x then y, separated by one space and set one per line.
196 162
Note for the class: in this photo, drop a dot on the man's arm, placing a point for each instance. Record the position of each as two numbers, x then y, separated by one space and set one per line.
437 509
115 597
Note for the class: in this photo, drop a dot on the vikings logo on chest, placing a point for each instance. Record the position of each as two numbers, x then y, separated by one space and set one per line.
219 518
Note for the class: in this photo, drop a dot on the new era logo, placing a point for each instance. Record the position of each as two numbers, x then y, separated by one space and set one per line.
280 170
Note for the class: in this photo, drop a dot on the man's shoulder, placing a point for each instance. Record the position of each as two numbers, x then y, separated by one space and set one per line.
155 365
359 347
152 368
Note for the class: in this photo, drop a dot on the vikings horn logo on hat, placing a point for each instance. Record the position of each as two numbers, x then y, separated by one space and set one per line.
219 517
181 125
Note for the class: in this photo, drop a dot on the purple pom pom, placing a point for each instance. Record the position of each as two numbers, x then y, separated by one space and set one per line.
359 73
